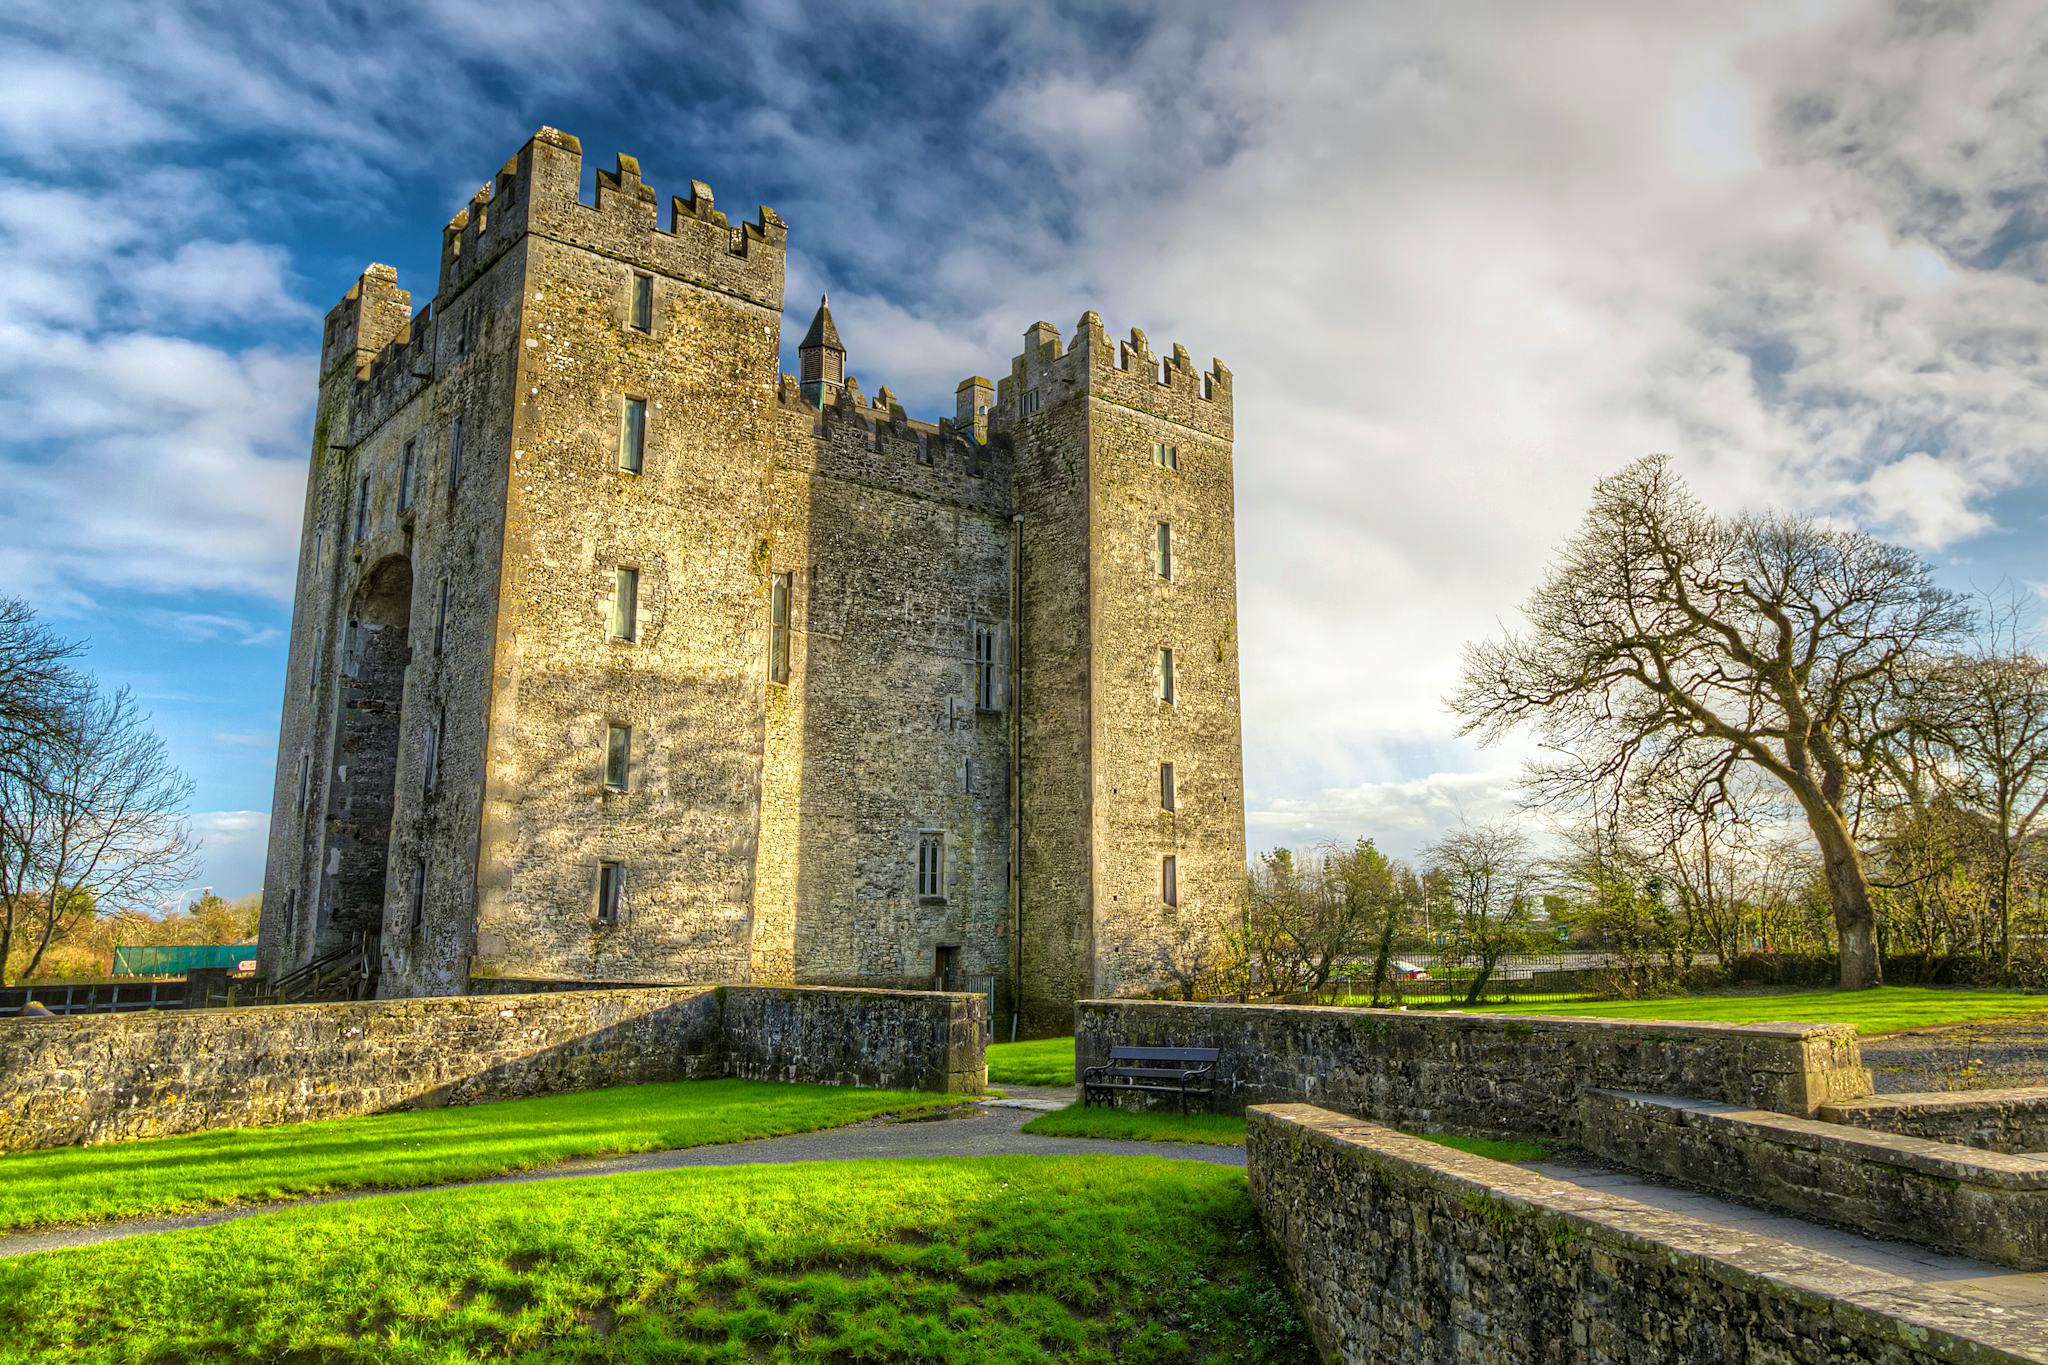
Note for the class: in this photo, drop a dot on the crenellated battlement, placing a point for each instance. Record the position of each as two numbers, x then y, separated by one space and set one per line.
874 441
539 191
370 317
1128 372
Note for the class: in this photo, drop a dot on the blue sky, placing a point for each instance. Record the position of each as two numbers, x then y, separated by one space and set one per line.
1462 260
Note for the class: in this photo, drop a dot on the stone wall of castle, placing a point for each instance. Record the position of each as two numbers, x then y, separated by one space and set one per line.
692 523
455 675
895 547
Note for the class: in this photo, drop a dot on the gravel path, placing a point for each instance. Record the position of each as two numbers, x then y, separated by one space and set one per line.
986 1129
1986 1055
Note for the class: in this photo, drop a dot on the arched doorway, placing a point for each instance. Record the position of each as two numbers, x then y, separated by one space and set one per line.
374 661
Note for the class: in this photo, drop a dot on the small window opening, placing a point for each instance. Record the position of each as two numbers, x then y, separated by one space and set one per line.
305 780
924 447
986 695
431 760
618 755
931 865
1029 403
1166 793
1165 675
633 436
441 620
363 510
1162 552
643 302
626 605
1166 455
611 891
1169 880
419 893
778 628
408 463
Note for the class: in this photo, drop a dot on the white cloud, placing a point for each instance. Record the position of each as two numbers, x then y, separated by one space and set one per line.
1925 501
212 281
233 844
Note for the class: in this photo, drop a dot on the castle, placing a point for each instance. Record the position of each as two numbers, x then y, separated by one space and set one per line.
619 655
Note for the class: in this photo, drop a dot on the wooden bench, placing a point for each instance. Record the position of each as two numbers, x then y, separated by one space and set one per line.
1182 1071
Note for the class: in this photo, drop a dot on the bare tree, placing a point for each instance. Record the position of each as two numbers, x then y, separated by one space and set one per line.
1490 876
36 683
1670 644
91 822
1990 712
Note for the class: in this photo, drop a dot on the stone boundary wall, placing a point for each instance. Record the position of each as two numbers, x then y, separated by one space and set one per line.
107 1078
835 1035
1990 1205
1402 1252
1490 1075
2014 1120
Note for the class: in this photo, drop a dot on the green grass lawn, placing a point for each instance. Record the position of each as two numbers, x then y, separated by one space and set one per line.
417 1147
1041 1061
1006 1259
1496 1149
1163 1125
1884 1010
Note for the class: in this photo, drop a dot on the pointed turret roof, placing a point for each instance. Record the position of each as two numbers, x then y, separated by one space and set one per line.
823 336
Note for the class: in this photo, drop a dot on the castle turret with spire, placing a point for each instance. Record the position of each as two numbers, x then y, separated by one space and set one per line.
821 359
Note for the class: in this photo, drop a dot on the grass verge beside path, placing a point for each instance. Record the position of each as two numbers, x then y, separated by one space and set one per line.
1883 1010
1006 1259
1162 1125
417 1147
1040 1061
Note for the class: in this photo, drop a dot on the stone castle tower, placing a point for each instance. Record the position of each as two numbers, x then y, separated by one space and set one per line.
618 655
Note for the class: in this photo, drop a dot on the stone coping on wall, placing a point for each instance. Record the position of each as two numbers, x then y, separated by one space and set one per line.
1485 1074
1990 1205
2008 1120
1539 1269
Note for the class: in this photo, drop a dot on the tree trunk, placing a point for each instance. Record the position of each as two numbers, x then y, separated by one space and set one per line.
1849 894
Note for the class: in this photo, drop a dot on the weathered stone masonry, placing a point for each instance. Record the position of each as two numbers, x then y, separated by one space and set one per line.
1402 1252
971 614
106 1078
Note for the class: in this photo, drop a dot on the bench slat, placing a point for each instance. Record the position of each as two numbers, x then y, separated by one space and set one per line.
1155 1073
1164 1054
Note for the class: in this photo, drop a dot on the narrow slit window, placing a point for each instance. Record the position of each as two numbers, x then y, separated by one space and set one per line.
924 447
441 620
1165 670
454 455
618 756
778 628
1162 551
1169 879
319 660
643 303
931 865
363 510
1166 795
633 436
626 605
987 694
611 891
408 463
430 762
419 893
305 779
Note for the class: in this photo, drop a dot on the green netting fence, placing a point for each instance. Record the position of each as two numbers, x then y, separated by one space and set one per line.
178 958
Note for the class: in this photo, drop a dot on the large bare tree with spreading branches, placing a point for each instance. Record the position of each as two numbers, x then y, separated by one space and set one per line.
1672 645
